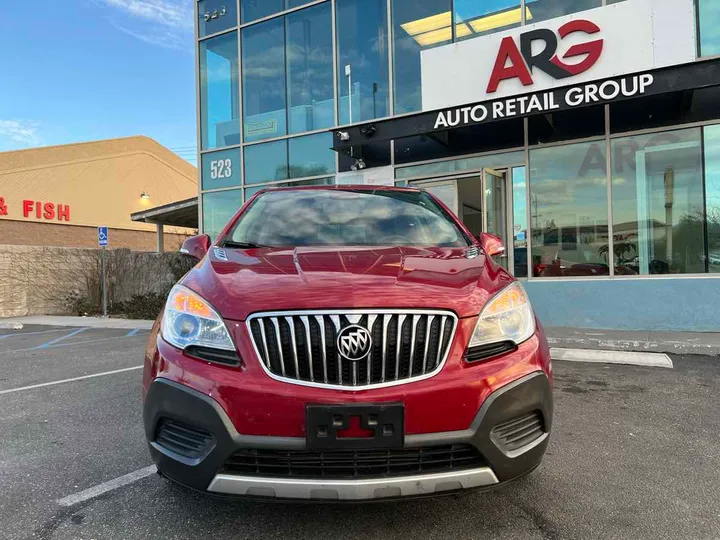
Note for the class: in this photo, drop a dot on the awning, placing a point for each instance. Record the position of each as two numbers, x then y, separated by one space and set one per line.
177 214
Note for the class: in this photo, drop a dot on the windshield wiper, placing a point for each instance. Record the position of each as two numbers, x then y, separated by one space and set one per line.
242 245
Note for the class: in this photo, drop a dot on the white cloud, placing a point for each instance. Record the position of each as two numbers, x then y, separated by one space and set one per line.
19 131
166 23
163 38
170 13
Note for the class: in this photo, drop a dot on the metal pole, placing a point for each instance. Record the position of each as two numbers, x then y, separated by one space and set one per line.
103 282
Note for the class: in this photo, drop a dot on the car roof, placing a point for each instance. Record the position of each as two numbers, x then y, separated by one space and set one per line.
343 187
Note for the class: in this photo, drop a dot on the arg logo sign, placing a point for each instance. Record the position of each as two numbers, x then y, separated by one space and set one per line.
518 61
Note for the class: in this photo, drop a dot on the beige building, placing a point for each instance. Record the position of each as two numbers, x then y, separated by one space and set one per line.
59 195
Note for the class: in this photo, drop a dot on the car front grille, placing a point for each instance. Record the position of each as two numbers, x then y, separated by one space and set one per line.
343 464
302 346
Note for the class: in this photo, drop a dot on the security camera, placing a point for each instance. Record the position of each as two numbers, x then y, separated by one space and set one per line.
343 135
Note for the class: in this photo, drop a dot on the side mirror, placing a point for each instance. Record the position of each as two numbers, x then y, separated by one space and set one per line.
491 244
196 246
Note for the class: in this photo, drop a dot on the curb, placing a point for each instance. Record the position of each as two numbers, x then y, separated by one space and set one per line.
645 359
668 347
89 322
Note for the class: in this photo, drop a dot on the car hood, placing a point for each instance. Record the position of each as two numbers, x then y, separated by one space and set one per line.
242 282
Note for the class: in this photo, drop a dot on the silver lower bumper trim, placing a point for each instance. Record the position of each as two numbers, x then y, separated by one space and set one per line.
352 490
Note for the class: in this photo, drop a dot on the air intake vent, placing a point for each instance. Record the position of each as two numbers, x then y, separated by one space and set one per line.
182 439
519 432
344 464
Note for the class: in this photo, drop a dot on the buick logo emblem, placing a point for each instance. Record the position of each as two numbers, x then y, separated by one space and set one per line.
354 343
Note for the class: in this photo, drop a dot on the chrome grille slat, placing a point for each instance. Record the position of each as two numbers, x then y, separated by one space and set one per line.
386 321
336 323
276 324
291 324
413 332
310 346
266 355
430 322
398 350
321 323
371 322
440 340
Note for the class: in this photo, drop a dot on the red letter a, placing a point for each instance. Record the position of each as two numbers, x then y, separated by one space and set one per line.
517 68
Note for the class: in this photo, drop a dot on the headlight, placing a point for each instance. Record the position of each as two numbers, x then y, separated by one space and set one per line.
190 320
507 317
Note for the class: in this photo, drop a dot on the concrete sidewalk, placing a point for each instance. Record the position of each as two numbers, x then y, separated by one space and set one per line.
703 343
87 322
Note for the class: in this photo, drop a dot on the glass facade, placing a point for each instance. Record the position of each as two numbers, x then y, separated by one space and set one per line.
273 80
363 62
221 169
264 88
541 10
658 208
711 138
219 95
417 25
474 18
217 209
215 16
569 210
289 158
709 31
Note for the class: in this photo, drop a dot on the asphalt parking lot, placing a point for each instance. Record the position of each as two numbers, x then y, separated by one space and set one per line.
634 454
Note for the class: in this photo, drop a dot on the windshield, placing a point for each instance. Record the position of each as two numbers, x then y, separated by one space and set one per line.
346 217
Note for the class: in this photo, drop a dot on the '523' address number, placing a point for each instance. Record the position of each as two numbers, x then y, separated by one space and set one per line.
220 168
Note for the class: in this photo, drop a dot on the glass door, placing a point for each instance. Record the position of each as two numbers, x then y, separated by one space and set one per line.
494 185
446 191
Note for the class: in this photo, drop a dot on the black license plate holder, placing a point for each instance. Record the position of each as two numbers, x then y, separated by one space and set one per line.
327 426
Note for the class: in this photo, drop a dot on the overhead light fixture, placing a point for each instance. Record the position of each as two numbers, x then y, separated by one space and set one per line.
428 24
437 29
343 135
144 196
434 37
499 20
359 165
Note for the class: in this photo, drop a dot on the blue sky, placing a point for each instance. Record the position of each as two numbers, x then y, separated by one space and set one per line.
81 70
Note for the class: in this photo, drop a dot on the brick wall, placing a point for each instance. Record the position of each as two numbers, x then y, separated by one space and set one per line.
26 233
38 280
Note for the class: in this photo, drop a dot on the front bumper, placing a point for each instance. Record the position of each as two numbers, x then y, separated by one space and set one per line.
171 400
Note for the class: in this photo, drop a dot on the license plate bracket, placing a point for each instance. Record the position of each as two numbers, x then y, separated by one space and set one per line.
355 427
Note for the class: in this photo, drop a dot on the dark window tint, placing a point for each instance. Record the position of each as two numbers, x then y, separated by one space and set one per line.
347 218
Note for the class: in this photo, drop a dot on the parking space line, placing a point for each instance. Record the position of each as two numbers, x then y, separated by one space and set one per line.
54 341
3 336
53 383
132 332
110 485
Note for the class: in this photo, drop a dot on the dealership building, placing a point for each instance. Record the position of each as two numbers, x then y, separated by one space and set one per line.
585 133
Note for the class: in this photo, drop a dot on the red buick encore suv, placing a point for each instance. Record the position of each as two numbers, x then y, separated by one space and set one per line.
346 343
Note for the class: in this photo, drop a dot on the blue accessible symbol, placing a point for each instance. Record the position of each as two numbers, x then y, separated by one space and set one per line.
102 236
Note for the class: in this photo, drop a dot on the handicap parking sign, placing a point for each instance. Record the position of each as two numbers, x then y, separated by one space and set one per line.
102 236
